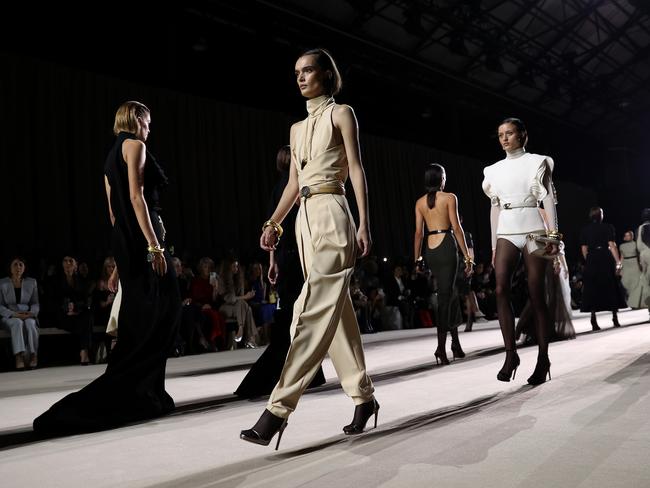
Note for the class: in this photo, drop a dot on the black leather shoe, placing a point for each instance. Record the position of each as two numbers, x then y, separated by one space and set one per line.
542 370
362 413
263 431
509 366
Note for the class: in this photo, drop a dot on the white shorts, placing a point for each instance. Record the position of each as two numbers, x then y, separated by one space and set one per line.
519 240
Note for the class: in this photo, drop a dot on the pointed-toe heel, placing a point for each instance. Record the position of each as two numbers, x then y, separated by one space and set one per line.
441 356
457 351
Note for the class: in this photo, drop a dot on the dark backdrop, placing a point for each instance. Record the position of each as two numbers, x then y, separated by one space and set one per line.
57 128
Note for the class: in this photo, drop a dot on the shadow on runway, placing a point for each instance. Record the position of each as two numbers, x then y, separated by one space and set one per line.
238 473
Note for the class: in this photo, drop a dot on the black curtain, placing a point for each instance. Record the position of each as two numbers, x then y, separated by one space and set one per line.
57 129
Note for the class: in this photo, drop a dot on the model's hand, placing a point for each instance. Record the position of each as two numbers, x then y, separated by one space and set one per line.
551 249
269 239
364 241
273 274
159 263
469 269
112 282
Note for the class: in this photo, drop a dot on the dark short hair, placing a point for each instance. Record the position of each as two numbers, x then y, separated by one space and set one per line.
326 62
17 258
521 128
283 159
595 214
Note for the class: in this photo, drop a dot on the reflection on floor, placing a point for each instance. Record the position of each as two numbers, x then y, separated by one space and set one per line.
451 426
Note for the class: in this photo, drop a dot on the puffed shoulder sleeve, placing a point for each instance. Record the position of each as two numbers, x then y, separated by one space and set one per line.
543 181
488 188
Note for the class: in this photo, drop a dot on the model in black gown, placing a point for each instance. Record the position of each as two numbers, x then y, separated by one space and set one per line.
265 373
133 386
602 290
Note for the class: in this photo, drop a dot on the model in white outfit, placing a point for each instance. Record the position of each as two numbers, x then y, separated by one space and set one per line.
516 186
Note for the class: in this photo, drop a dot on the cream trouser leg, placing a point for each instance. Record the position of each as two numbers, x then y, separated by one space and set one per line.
323 317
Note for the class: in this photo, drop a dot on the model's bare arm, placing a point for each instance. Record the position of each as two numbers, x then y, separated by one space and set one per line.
419 234
345 120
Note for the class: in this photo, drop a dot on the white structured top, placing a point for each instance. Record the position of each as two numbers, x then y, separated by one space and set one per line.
521 181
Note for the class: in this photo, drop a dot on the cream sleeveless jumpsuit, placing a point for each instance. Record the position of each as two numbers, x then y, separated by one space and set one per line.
323 317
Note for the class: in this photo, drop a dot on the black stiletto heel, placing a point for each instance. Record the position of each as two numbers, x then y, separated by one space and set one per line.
457 351
509 366
542 370
263 431
441 356
362 413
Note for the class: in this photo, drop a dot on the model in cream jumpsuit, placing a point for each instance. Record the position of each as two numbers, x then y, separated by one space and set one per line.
323 317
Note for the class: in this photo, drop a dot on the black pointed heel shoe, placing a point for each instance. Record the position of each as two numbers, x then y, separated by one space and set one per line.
441 356
263 431
457 351
509 366
362 413
542 370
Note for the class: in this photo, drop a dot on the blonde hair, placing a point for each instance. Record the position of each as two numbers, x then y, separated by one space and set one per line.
126 117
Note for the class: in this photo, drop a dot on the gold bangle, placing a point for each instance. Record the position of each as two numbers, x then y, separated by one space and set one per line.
155 249
469 260
554 234
277 227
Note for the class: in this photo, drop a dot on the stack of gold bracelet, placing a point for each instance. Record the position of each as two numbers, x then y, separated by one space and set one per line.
554 234
469 260
276 227
152 251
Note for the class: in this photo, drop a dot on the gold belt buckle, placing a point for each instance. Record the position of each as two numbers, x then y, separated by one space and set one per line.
305 192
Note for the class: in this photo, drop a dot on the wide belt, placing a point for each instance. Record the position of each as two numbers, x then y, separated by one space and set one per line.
509 206
336 188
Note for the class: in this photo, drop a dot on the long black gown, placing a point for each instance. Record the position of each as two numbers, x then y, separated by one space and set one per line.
133 386
265 373
602 290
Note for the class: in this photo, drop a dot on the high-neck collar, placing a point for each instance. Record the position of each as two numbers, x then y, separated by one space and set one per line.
517 153
316 106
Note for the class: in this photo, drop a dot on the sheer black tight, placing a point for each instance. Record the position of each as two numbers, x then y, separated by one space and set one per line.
505 263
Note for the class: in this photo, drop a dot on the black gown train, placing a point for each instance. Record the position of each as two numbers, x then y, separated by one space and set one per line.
133 386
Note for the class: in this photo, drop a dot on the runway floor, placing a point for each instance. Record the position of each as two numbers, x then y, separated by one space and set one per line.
451 426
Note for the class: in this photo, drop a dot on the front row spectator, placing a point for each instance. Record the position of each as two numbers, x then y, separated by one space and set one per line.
235 304
70 306
19 311
203 294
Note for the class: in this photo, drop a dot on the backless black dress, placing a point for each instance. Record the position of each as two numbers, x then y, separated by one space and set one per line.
133 386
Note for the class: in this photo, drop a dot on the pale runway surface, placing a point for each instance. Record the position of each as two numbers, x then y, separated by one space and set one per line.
452 426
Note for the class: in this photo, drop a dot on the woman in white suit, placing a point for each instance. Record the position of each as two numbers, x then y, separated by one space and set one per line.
19 312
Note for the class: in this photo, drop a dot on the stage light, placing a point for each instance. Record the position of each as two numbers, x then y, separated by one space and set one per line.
385 260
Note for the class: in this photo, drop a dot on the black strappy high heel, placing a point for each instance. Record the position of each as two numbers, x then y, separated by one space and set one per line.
362 413
509 366
264 430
